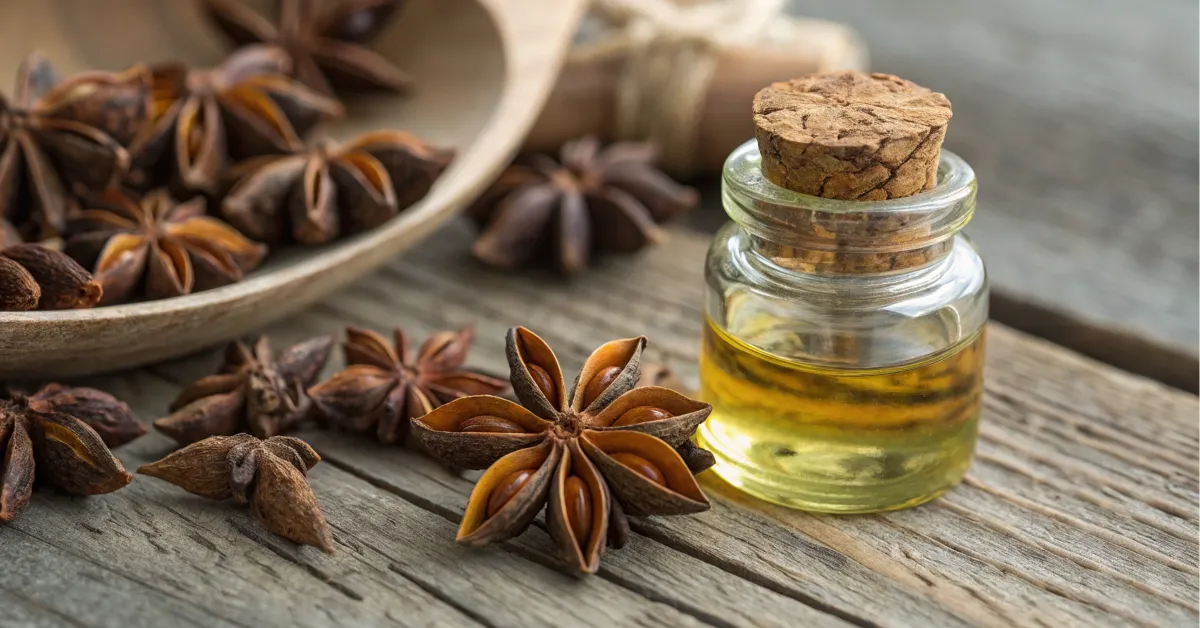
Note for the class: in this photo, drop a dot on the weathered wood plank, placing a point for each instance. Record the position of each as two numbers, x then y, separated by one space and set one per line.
1080 119
1081 508
42 585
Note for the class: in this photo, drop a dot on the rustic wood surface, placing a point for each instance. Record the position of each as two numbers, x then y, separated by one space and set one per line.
1080 118
1080 510
482 70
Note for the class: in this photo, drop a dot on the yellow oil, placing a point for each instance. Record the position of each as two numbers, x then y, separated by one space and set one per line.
840 440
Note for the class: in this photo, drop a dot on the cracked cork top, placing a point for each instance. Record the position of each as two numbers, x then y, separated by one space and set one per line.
850 135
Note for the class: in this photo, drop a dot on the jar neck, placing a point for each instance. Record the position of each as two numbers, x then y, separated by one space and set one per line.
823 236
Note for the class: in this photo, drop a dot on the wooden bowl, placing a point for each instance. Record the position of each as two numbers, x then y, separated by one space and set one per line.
482 70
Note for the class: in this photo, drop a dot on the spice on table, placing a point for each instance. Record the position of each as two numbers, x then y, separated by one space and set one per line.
327 49
54 134
383 386
202 119
593 454
270 475
113 419
315 194
592 200
253 391
33 276
46 435
158 247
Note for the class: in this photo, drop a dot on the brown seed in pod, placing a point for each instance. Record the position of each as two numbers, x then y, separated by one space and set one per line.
491 424
641 414
611 371
684 415
577 510
441 435
544 382
599 382
579 507
536 376
641 465
503 502
639 494
504 491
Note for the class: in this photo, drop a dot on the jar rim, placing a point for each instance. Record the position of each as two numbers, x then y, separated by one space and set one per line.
810 222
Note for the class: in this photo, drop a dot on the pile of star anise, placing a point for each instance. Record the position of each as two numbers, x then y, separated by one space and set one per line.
162 180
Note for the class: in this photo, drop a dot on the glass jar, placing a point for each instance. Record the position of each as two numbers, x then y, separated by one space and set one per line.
843 347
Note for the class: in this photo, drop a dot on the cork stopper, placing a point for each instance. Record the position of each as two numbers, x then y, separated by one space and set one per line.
851 136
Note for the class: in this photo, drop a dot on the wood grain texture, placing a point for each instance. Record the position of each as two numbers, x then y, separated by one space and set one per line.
479 98
1081 508
1080 119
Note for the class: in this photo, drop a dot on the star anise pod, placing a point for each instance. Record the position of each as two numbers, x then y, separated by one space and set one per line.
592 201
326 49
314 195
383 386
113 419
206 118
46 435
270 475
56 133
254 391
592 454
33 276
157 247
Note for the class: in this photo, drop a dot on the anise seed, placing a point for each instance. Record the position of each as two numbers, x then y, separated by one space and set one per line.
542 378
641 466
491 424
641 414
579 509
506 489
601 380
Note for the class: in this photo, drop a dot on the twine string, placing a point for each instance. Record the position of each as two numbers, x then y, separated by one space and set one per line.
671 53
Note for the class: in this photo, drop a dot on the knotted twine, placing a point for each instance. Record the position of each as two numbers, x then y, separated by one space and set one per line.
671 53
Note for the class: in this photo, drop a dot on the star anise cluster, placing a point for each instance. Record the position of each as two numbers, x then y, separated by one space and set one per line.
326 48
60 436
592 454
384 385
565 212
270 475
130 168
58 138
205 119
59 135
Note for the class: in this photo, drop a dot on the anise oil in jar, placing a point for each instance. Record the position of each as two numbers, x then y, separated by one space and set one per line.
844 339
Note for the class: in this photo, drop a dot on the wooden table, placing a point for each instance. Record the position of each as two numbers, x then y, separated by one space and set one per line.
1081 508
